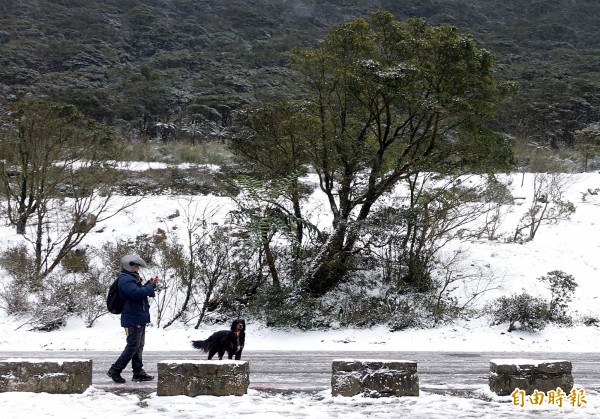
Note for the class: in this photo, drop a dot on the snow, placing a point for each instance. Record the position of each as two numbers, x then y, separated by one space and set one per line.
96 403
405 361
572 246
58 361
201 362
525 361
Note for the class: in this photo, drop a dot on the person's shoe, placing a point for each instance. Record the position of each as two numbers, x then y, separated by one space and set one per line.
142 376
116 376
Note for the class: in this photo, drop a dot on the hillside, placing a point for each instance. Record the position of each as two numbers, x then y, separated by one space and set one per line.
181 68
569 245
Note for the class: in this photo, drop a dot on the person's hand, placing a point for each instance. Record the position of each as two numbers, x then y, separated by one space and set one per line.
154 280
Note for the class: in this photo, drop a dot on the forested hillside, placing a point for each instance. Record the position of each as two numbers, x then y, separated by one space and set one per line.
179 69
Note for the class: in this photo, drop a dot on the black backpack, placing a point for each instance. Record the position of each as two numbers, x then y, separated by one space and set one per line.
114 303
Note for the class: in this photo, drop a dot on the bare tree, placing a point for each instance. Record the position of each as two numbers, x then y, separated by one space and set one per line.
453 275
412 230
197 266
182 258
215 276
548 204
56 182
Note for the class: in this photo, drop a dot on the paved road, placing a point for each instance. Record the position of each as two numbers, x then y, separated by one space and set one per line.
282 371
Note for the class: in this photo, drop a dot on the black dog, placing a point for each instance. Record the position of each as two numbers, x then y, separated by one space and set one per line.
231 341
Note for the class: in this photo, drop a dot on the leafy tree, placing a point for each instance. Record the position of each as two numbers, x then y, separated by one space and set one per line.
587 141
390 100
262 215
273 144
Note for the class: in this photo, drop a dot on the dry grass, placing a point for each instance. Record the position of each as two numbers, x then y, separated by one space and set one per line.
213 152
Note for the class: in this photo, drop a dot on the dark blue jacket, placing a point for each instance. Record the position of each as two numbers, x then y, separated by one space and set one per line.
137 308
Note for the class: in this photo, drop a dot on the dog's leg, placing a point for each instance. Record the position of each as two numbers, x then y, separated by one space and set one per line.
221 353
211 353
238 355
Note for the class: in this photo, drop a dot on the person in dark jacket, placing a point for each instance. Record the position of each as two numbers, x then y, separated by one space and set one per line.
135 317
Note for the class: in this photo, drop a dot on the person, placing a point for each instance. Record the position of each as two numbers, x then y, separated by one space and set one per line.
134 318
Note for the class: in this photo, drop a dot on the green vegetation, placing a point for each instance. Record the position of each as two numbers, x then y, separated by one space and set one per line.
181 70
524 312
433 97
387 101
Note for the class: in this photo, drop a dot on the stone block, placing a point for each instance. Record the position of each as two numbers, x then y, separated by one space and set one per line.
374 378
196 378
529 375
53 376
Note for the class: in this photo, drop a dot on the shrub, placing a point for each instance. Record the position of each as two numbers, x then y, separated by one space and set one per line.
110 254
590 320
20 265
281 307
562 286
521 311
60 298
14 300
76 261
406 314
93 290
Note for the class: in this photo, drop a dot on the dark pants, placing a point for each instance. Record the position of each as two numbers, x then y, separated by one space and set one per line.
133 350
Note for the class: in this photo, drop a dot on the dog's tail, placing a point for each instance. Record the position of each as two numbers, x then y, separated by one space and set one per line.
200 344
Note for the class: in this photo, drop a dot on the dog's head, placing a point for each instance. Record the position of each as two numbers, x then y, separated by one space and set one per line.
238 325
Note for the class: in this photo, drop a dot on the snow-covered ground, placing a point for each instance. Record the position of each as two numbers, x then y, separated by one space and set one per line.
571 246
260 405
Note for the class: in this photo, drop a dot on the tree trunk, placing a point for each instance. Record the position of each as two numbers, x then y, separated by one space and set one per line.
190 274
21 223
330 265
209 292
271 262
188 296
38 247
